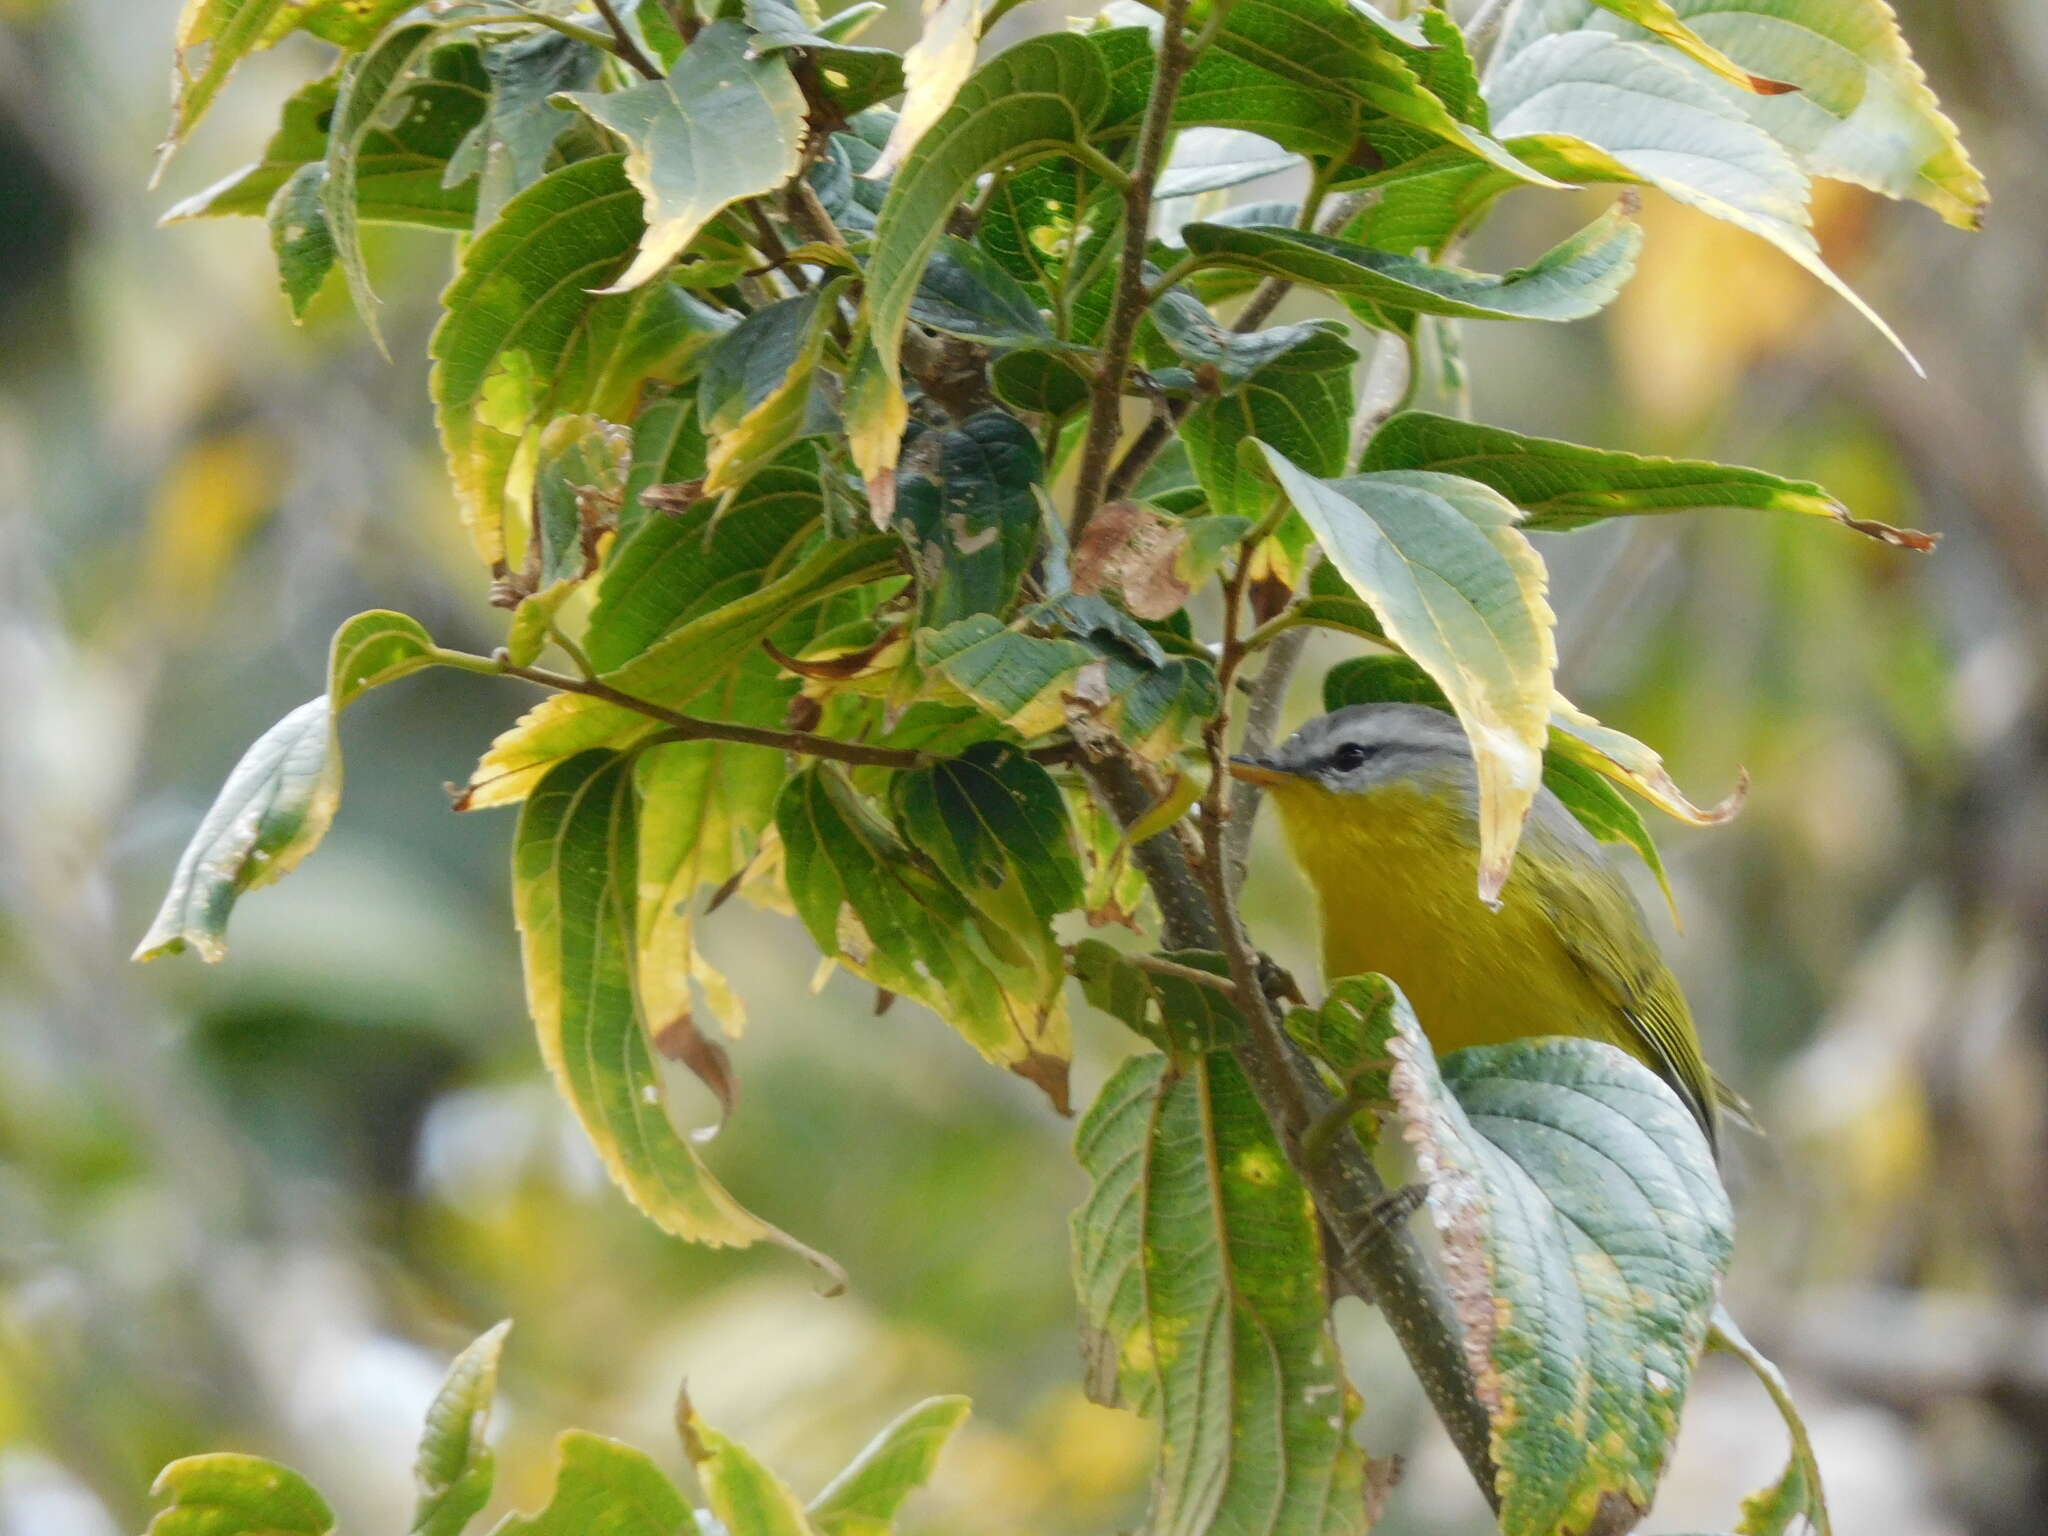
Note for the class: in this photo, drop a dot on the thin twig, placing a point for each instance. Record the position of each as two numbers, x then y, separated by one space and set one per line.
1261 727
629 50
1158 965
1105 412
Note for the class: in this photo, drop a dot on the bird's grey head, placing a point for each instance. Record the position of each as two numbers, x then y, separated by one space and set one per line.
1357 750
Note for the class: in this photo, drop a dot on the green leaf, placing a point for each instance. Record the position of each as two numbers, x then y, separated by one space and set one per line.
602 1486
863 1499
578 484
1590 107
524 340
1561 486
893 918
1019 679
1460 590
1797 1496
575 895
1199 1269
372 649
967 292
1176 1014
455 1466
401 168
213 37
1299 402
967 508
752 361
1045 93
1186 325
668 451
347 23
521 125
1040 379
1663 21
1348 1036
374 92
992 817
746 1498
678 568
853 78
1860 109
228 1495
723 125
300 237
1575 279
792 409
1585 1232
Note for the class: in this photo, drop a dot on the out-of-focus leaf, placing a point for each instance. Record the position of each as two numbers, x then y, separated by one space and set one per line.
668 451
752 360
967 509
967 292
1860 109
300 237
1461 591
602 1486
521 125
455 1467
1199 1268
1212 159
1299 402
752 427
1585 1232
1560 486
895 920
1570 282
863 1499
523 339
746 1498
228 1495
1796 1499
1043 93
725 124
1580 738
1593 108
1174 1013
578 484
935 68
401 167
213 37
575 894
347 23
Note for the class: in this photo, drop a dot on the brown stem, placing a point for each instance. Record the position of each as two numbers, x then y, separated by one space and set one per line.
629 50
1105 411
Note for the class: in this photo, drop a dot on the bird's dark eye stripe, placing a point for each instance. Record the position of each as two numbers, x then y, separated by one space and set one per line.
1351 755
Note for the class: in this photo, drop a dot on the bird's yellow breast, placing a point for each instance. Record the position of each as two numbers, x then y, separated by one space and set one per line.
1396 874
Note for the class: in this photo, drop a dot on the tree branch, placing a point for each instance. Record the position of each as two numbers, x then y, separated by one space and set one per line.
1105 411
628 50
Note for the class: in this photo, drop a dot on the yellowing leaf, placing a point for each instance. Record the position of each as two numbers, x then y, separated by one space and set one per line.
934 69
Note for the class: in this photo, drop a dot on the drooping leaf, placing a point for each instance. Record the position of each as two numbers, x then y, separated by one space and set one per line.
934 70
1593 108
1585 1231
1044 93
299 236
228 1495
863 1499
1796 1501
1579 738
455 1467
1186 325
1299 402
967 509
746 1498
604 1486
401 167
1173 1012
967 292
575 894
1561 486
724 124
524 340
1860 109
1570 282
991 817
1459 589
372 649
1199 1268
897 921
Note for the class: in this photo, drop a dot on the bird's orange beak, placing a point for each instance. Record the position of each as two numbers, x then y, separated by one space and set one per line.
1250 770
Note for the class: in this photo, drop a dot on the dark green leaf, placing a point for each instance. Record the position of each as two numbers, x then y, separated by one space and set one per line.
1299 402
300 237
1041 380
1200 1272
455 1466
228 1495
989 817
967 508
967 292
723 125
1174 1013
1196 337
1585 1230
521 125
854 78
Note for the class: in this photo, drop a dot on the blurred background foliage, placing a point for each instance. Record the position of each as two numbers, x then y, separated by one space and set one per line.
256 1207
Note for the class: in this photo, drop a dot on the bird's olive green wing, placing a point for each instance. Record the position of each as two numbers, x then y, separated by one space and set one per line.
1601 930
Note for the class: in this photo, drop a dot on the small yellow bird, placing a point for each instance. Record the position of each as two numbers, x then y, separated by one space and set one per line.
1380 806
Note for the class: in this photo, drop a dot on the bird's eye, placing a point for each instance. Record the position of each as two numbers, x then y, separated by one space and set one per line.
1351 755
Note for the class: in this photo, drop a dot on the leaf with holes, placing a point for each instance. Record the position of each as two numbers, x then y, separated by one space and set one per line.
1199 1268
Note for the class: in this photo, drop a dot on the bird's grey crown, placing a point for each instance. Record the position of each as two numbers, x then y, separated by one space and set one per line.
1399 741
